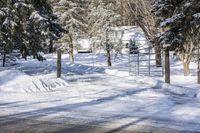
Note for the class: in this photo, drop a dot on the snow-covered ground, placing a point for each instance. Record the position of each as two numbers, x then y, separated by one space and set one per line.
90 91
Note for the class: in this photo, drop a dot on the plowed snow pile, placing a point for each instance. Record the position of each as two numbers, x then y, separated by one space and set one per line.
17 81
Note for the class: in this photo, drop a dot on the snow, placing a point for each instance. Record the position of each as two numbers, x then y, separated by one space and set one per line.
90 91
21 4
17 81
37 16
2 13
170 20
175 89
197 15
6 22
127 33
84 43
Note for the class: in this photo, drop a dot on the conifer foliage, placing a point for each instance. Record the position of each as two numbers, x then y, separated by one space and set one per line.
27 25
71 17
180 20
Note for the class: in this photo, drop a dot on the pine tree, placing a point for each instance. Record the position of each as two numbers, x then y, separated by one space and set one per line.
44 23
102 16
181 22
71 16
22 10
7 24
28 25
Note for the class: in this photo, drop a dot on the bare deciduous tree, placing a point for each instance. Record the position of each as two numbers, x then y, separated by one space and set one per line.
139 13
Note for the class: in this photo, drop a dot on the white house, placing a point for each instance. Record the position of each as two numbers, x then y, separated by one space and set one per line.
127 33
84 45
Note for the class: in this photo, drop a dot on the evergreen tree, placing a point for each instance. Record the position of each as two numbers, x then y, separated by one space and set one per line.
102 16
71 16
7 24
28 25
22 10
43 23
181 22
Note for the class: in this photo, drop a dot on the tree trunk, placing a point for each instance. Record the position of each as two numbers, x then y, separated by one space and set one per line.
34 56
71 53
51 46
108 54
24 52
108 50
198 72
71 49
158 56
198 69
59 60
4 59
24 55
167 67
186 68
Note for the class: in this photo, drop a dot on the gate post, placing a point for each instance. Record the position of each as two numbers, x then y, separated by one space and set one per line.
59 63
167 66
129 61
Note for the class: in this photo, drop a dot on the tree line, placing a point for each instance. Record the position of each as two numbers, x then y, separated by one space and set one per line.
35 25
28 26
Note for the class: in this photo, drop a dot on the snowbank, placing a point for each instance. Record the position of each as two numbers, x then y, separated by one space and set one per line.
34 76
157 84
17 81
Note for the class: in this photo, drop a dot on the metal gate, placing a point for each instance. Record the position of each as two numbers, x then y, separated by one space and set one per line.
142 61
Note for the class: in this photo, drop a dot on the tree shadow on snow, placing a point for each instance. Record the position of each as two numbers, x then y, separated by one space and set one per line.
39 113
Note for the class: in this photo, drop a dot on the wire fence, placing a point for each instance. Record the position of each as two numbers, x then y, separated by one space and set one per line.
142 61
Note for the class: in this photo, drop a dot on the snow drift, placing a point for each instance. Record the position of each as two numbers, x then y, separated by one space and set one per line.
17 81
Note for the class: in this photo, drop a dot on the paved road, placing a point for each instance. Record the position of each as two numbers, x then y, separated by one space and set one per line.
74 126
110 105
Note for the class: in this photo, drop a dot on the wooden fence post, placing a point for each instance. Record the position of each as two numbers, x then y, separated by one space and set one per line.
167 66
59 63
